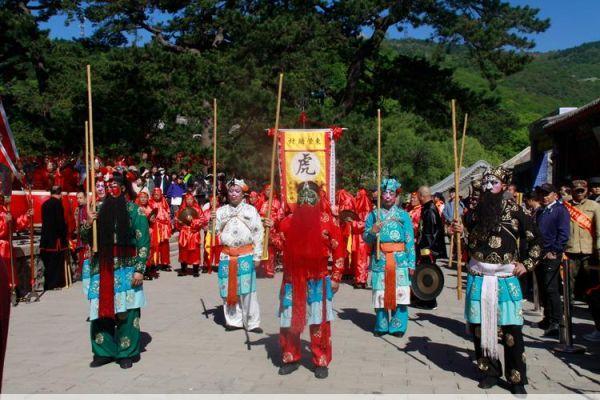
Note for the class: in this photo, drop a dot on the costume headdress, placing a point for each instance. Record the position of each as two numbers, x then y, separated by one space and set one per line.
503 174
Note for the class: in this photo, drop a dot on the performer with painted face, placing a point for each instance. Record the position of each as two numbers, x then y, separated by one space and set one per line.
504 245
241 238
393 267
310 235
114 284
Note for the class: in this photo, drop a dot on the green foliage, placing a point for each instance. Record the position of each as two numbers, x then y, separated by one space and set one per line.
159 96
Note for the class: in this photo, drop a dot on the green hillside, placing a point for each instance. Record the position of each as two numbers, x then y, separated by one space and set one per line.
554 79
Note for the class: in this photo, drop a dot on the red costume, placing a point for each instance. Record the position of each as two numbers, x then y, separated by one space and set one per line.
360 249
310 235
189 233
267 267
160 229
346 209
21 223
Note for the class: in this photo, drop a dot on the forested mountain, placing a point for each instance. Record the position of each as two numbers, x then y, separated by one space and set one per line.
339 69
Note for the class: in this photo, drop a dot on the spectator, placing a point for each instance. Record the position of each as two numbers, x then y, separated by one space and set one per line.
188 178
161 180
565 194
554 225
594 184
584 239
175 194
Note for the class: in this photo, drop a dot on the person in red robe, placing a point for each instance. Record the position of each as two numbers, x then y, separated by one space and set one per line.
143 202
190 224
160 223
310 236
8 223
267 267
256 200
414 210
361 249
346 205
43 176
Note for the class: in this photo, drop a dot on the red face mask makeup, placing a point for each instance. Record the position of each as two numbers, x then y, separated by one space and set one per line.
115 190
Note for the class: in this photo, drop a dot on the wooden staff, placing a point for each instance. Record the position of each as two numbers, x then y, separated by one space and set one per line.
92 157
214 189
87 164
456 201
462 152
265 252
31 244
378 219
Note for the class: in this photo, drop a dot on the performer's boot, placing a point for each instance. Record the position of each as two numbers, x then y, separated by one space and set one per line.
196 270
288 368
99 361
518 389
126 363
321 372
183 270
488 382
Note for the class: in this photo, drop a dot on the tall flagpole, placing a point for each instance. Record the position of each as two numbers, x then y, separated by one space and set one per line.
214 189
92 157
265 252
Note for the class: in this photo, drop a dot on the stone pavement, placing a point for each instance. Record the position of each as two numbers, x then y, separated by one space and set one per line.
184 352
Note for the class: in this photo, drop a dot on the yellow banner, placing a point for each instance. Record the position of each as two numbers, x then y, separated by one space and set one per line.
305 160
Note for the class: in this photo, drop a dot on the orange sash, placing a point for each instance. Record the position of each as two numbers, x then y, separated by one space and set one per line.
232 281
389 296
579 217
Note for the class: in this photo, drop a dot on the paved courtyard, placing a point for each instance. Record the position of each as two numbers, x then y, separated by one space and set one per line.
185 352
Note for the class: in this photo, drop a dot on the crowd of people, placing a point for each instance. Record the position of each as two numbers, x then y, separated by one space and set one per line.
316 244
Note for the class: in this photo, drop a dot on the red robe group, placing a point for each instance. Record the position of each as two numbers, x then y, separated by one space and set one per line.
160 229
22 223
267 267
190 233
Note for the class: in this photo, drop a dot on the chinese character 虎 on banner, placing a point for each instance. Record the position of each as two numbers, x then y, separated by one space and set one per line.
305 155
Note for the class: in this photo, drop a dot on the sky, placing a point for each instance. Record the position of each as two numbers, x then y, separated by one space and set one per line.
572 23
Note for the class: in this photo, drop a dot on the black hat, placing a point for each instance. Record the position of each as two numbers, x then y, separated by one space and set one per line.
546 188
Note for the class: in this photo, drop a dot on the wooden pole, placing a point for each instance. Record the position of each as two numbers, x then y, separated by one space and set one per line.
31 244
462 144
214 190
378 215
87 164
456 201
92 158
265 252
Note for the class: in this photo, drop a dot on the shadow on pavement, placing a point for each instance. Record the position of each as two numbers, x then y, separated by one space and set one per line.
273 349
447 357
455 326
365 321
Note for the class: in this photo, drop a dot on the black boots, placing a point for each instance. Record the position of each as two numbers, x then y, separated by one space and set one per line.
183 270
196 271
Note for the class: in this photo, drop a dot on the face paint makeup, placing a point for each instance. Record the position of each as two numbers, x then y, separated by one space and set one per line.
115 190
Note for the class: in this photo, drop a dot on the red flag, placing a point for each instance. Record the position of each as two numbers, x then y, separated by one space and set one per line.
8 149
